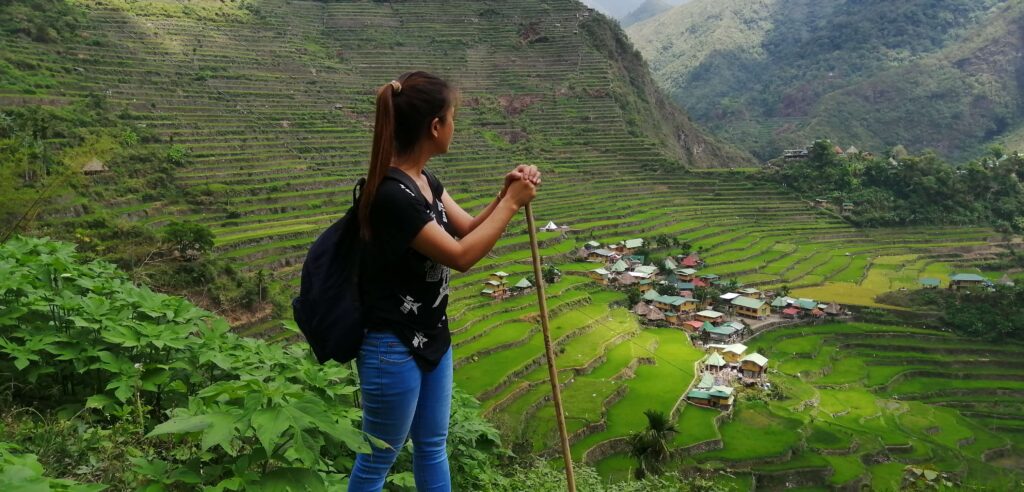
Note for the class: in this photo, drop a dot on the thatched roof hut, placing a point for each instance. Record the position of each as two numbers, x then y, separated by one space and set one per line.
95 166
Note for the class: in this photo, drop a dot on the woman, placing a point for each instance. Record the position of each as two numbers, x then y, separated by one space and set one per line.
413 239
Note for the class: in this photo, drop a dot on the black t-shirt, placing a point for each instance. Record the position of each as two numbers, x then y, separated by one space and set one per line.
404 291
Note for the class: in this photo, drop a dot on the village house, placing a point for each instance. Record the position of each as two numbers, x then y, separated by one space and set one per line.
600 275
753 366
498 277
966 281
675 303
670 264
752 293
626 280
715 362
645 285
641 308
732 352
752 308
693 326
795 154
630 245
930 283
654 315
646 271
715 397
495 289
94 166
619 266
685 274
592 245
710 316
717 334
728 296
522 286
691 260
600 255
791 313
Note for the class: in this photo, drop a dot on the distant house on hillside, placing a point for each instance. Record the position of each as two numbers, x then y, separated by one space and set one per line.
710 316
795 154
95 166
753 366
752 308
966 281
602 255
522 286
600 275
930 283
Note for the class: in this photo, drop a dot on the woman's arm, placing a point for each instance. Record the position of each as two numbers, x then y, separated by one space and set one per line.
435 243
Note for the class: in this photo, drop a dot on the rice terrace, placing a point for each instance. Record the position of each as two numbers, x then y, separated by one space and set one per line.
811 321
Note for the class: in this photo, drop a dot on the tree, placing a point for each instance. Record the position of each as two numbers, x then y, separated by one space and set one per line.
634 295
650 446
550 274
190 240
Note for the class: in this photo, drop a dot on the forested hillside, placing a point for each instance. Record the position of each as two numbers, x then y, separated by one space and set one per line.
772 74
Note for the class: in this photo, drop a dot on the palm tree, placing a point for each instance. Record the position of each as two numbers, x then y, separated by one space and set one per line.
650 446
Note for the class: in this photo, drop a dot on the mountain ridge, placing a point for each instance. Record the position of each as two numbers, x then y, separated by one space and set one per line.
767 75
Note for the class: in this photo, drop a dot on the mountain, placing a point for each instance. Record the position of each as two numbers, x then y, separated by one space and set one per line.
645 11
770 74
268 107
624 9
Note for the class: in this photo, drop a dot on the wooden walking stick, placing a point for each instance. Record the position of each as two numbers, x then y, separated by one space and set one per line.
556 394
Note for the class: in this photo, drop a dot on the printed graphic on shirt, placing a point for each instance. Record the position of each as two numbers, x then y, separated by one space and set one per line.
419 340
444 285
407 190
409 304
444 215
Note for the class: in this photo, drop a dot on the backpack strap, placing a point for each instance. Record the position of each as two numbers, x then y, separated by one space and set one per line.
405 179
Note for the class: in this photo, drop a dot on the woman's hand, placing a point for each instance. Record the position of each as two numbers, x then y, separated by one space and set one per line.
521 192
521 172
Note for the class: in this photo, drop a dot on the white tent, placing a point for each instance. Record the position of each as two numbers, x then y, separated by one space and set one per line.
550 227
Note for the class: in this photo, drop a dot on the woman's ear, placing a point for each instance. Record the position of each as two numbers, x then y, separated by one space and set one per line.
435 127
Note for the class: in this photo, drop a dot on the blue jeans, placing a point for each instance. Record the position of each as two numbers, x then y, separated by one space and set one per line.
401 401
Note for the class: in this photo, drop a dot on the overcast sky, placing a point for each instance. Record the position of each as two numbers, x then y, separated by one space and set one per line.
620 8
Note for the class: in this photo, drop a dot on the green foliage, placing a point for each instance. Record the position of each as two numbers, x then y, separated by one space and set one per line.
912 190
991 314
190 240
43 21
776 74
84 337
23 472
178 155
650 447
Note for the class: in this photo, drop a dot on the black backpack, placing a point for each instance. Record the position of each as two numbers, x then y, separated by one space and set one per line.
327 309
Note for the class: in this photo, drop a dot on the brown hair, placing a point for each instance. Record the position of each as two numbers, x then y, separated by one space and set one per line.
406 107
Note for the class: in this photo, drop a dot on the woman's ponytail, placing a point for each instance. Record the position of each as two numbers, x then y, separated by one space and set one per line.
405 109
381 155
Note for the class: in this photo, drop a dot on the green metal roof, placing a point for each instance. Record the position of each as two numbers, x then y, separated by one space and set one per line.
715 359
930 282
634 243
706 381
967 277
620 266
523 284
703 395
651 295
748 302
756 358
806 304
